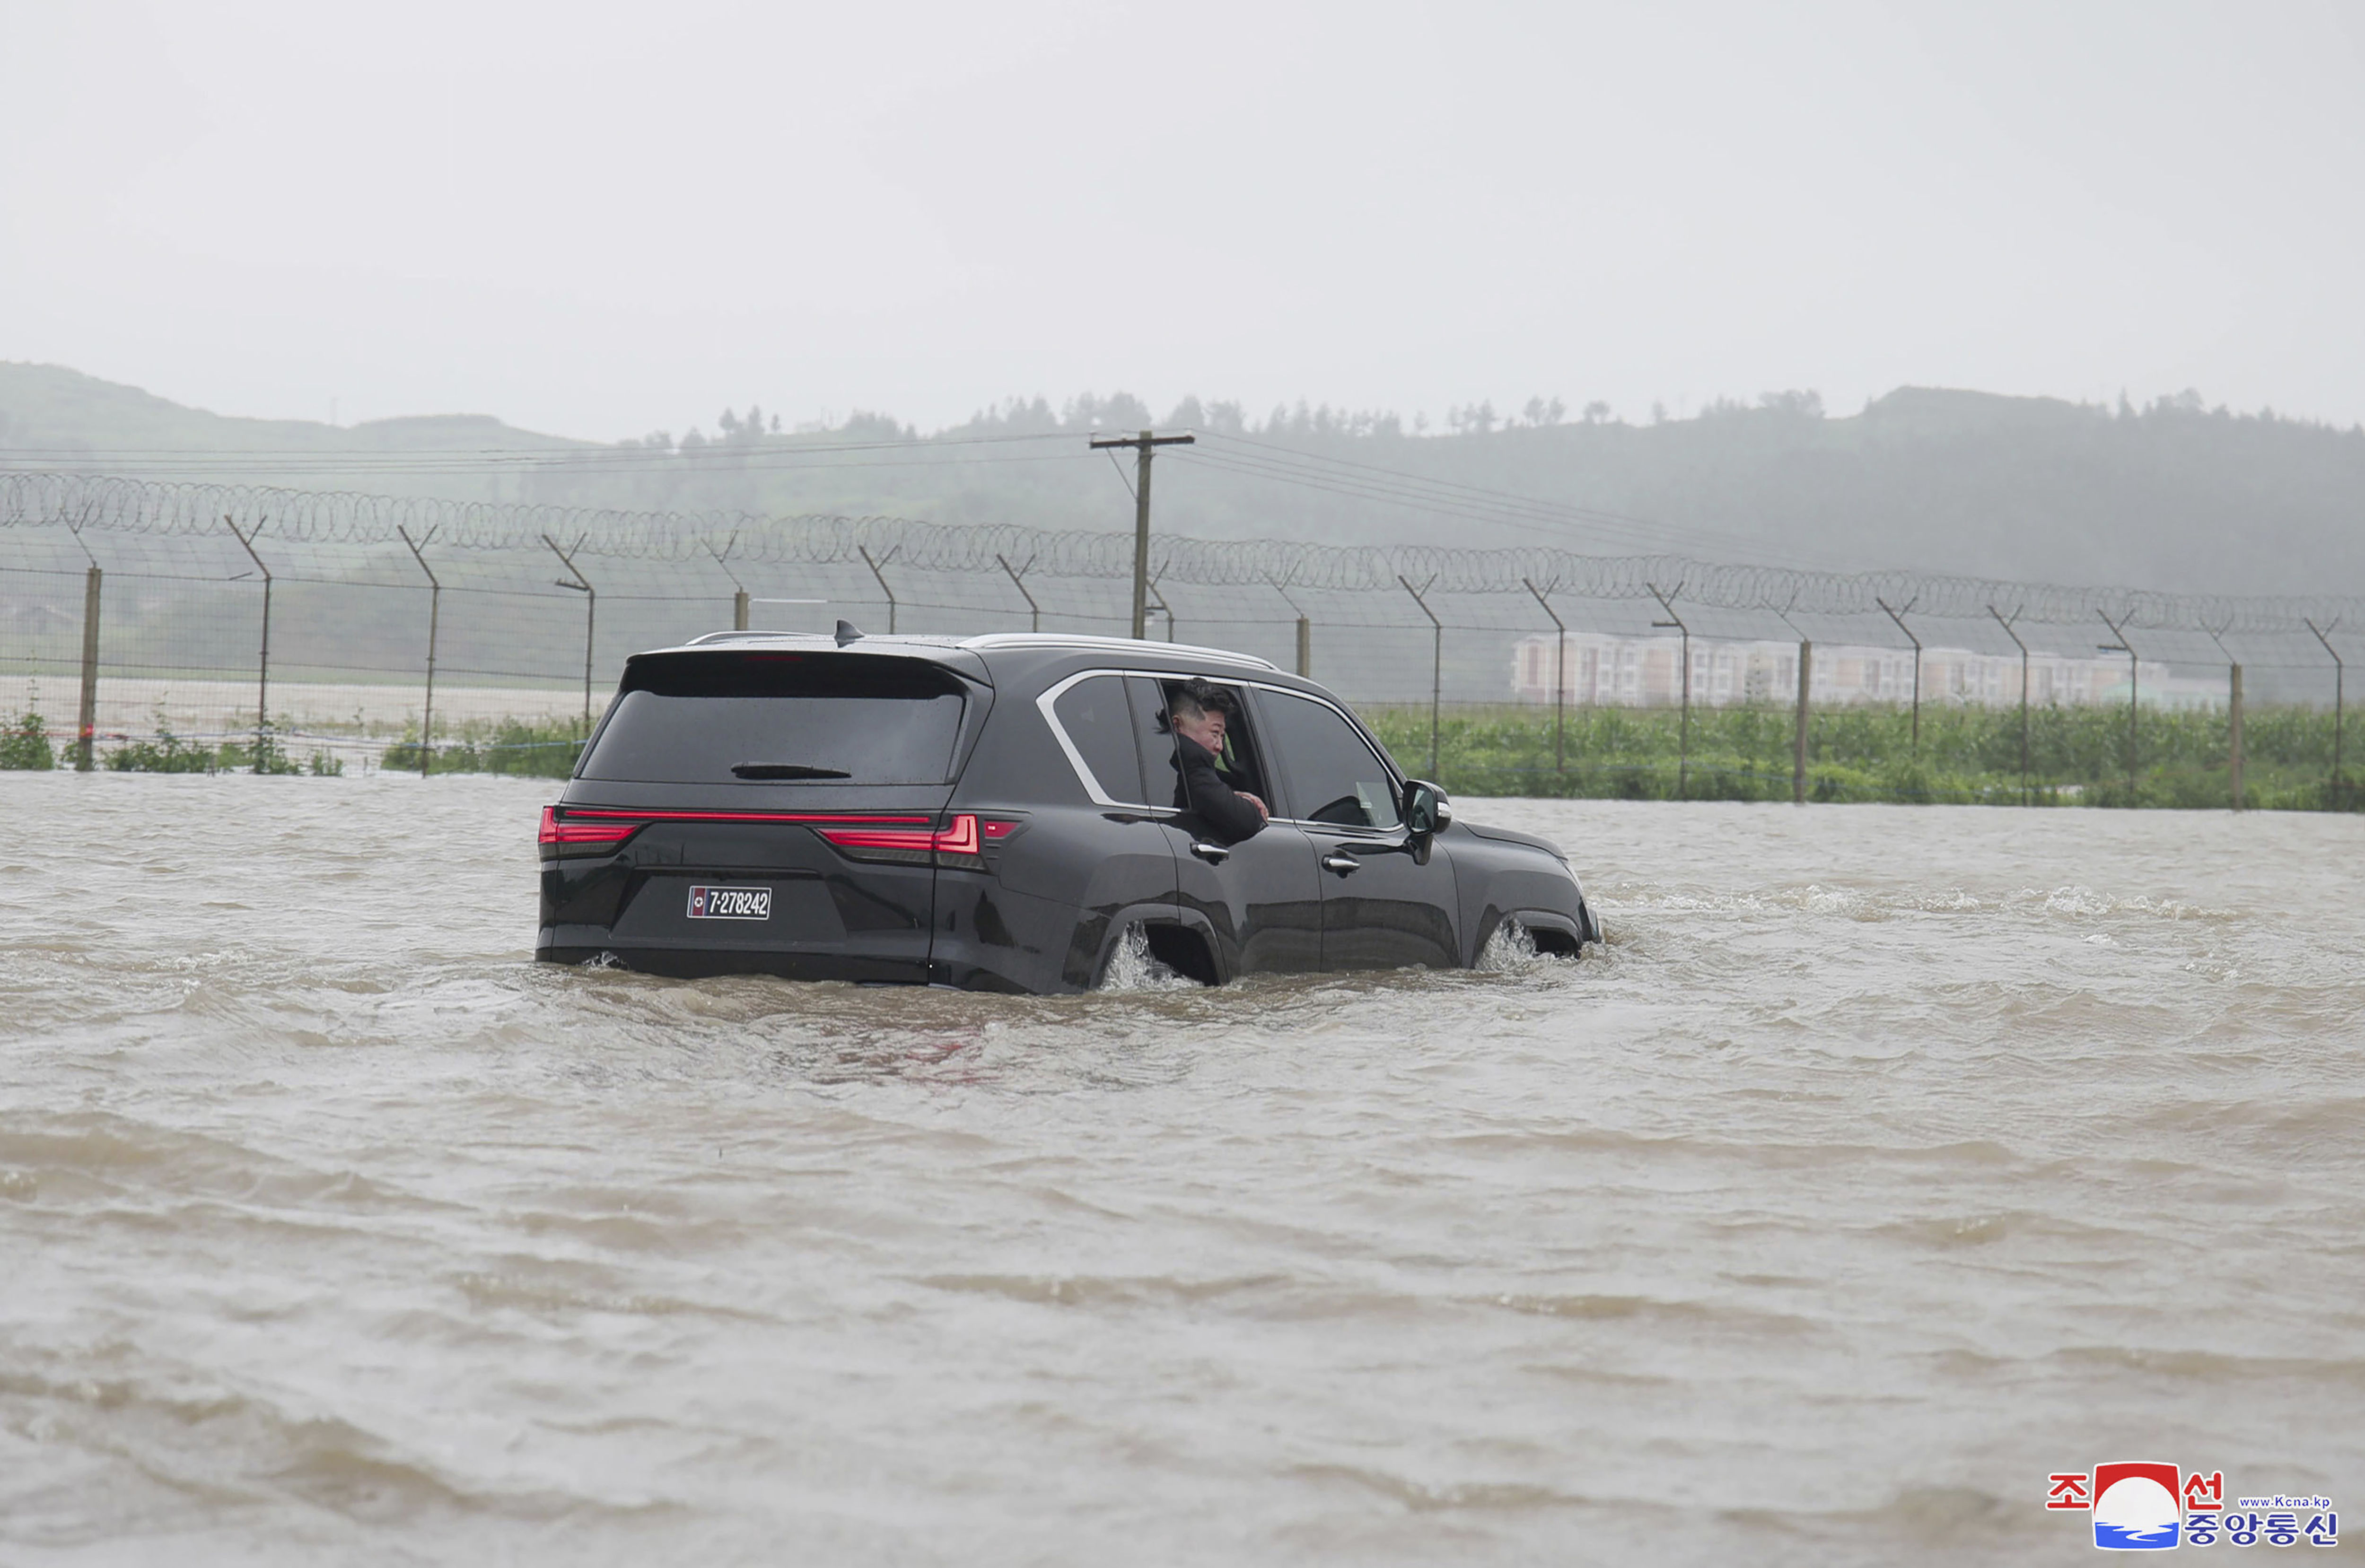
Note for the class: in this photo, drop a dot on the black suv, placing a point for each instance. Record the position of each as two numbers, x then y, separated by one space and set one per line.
999 812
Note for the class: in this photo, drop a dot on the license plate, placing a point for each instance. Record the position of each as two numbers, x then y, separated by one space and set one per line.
730 903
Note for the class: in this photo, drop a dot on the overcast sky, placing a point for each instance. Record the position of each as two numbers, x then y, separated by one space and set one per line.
602 219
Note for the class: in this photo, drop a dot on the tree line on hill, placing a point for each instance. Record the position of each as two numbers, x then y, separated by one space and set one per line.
2173 494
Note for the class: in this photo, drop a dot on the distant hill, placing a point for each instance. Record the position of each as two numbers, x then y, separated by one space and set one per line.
2172 496
51 417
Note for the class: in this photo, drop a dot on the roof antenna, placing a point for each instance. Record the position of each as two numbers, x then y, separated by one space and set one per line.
847 632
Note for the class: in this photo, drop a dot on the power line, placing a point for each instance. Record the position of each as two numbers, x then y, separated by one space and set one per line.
1535 519
1451 498
560 449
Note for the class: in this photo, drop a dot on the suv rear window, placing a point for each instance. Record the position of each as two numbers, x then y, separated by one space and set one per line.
780 717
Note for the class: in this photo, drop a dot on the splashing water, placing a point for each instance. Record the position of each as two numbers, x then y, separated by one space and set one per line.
1132 968
1510 951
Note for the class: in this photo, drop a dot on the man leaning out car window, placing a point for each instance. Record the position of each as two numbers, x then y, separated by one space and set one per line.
1199 711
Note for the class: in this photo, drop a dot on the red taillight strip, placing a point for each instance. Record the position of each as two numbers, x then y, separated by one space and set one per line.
575 813
854 831
961 838
558 829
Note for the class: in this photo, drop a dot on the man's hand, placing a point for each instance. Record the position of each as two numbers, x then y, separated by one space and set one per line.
1262 813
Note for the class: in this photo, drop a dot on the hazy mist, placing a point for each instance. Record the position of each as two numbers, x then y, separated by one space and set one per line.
602 219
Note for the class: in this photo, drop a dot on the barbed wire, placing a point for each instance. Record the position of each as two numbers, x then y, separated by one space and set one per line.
112 504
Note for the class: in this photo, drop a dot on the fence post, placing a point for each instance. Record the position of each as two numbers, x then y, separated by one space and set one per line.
1899 616
1436 663
1304 631
1560 680
739 600
2006 624
875 572
434 623
2233 728
1157 601
88 725
2134 686
1018 574
1684 733
263 685
2339 675
581 585
1799 746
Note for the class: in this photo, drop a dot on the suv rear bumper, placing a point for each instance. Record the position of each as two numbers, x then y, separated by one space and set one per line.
589 945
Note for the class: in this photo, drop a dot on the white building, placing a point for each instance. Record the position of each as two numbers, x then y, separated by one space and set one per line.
1638 672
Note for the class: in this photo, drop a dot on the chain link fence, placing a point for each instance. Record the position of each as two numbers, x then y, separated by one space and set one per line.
206 627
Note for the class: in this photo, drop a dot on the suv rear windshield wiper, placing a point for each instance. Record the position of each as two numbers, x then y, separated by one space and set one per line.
786 770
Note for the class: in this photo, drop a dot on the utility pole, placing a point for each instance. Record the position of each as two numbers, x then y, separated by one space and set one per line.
1144 445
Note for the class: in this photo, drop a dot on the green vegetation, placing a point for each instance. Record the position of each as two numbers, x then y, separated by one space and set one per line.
25 743
1967 756
266 755
169 753
544 750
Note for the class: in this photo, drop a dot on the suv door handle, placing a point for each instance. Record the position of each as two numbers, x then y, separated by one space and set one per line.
1213 854
1339 860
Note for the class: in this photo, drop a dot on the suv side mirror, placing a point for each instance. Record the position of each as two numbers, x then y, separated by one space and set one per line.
1426 809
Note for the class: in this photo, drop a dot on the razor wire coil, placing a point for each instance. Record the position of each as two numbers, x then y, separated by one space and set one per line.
109 504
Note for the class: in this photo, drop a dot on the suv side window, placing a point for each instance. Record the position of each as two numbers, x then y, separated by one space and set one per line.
1093 716
1243 759
1334 774
1157 742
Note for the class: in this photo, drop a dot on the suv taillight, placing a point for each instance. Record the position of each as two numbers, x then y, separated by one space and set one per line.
569 836
591 830
961 844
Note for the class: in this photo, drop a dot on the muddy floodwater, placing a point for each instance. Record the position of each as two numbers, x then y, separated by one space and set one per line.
1887 1161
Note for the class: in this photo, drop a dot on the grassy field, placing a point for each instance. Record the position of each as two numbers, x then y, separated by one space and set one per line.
1967 756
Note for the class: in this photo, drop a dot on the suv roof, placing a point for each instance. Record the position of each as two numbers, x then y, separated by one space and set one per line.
1049 642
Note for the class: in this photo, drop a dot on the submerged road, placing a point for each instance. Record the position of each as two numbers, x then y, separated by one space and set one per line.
1889 1161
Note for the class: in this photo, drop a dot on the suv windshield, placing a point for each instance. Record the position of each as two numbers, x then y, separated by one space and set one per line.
780 717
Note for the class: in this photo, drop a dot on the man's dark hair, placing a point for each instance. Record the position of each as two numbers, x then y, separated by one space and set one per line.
1201 696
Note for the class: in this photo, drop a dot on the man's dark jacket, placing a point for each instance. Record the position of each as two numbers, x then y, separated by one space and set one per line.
1204 788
